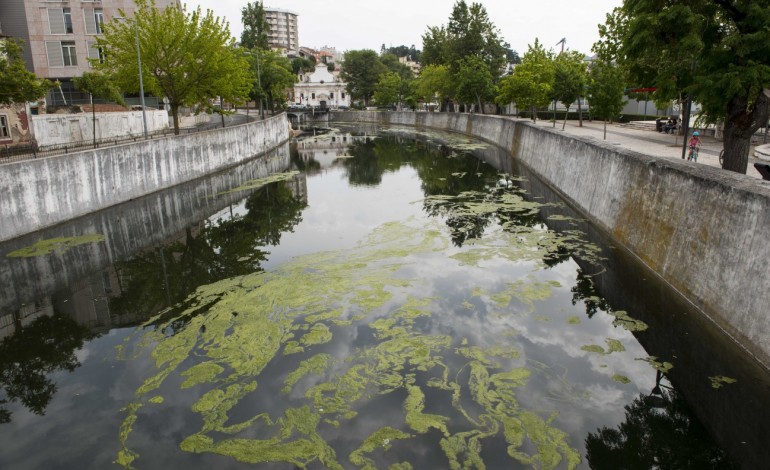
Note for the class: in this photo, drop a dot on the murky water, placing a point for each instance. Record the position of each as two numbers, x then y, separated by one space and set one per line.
375 298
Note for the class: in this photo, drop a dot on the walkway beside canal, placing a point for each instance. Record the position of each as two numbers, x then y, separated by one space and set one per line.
650 142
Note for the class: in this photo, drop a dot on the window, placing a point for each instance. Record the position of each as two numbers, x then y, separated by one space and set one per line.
331 95
313 97
95 52
343 95
94 19
5 133
69 54
60 20
61 53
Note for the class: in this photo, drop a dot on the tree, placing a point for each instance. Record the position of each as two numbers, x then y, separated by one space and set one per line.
17 84
569 80
187 57
475 83
530 85
388 89
605 91
470 32
714 51
361 72
100 86
302 65
276 77
434 82
255 27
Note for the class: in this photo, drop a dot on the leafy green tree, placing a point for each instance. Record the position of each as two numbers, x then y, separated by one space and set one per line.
434 43
302 65
475 83
361 72
605 91
17 84
388 89
531 84
187 57
275 77
569 80
714 51
255 27
403 51
434 82
470 32
100 86
511 56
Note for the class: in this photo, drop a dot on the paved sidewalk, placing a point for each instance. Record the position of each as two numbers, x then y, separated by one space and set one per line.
650 142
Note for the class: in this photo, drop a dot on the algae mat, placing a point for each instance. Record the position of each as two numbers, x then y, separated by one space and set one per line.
351 344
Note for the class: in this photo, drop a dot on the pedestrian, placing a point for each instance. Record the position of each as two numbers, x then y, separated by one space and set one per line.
694 145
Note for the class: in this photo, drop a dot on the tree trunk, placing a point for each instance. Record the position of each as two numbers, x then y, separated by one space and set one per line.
740 125
605 129
564 124
175 115
534 116
580 112
481 105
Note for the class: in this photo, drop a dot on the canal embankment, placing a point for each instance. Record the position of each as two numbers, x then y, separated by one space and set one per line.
43 192
703 230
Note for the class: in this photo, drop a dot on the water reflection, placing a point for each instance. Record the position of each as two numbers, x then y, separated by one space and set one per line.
477 354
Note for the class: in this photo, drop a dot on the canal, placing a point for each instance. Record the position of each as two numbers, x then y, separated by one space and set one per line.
364 297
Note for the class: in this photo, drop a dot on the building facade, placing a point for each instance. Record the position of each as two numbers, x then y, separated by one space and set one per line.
284 34
60 35
321 89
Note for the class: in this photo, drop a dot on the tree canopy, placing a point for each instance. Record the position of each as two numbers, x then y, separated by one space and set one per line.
361 73
255 27
531 84
187 57
605 91
17 84
714 51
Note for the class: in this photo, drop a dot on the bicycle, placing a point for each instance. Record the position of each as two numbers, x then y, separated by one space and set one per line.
693 155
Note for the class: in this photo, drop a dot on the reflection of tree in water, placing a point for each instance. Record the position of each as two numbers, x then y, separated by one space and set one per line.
585 291
219 250
45 346
660 431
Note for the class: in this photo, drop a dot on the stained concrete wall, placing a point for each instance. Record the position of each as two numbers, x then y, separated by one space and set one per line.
41 193
59 129
703 230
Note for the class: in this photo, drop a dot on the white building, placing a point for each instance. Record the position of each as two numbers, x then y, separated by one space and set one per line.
321 88
284 34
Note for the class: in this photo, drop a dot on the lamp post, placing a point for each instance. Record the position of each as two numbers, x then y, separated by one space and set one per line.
141 79
255 53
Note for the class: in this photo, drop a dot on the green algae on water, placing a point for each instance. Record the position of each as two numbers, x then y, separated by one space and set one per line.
59 245
258 183
613 345
720 380
621 379
289 319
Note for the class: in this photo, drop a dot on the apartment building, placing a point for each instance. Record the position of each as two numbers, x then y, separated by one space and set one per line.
60 35
284 34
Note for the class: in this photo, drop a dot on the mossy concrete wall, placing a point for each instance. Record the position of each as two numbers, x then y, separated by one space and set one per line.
705 231
44 192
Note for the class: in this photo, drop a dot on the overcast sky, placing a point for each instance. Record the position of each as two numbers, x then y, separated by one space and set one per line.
367 24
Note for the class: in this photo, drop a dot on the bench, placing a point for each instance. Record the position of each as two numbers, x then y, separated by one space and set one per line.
763 169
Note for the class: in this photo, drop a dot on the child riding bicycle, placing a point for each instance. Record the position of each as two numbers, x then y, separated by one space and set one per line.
694 145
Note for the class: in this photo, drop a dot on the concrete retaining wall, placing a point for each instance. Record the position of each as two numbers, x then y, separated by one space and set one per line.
41 193
58 129
703 230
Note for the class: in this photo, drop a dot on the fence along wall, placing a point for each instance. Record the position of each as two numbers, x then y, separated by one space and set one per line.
703 230
43 192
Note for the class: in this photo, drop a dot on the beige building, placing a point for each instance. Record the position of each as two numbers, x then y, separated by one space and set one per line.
284 34
59 35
